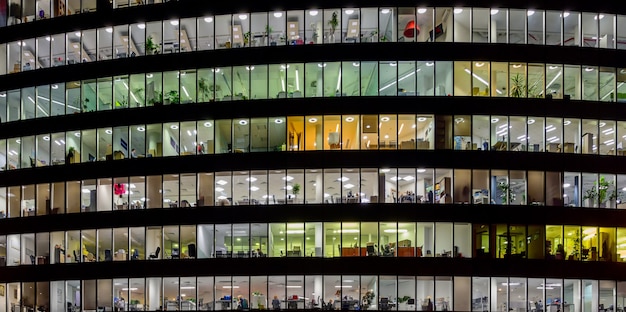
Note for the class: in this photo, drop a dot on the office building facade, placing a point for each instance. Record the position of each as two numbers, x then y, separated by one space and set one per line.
190 155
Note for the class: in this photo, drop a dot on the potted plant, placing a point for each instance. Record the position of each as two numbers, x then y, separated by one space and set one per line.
295 190
151 47
506 192
368 298
590 199
246 39
518 86
403 300
606 193
333 23
203 88
173 97
157 99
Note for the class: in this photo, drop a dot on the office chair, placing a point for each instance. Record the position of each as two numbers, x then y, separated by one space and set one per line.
135 255
76 258
384 304
108 255
32 259
371 251
192 250
155 255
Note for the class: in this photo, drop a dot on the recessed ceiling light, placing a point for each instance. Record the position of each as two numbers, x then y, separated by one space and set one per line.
141 129
421 10
349 11
393 64
385 119
430 64
243 122
320 65
530 12
243 16
600 16
141 26
313 12
531 121
77 34
479 64
553 67
312 120
149 76
250 67
109 30
421 119
357 64
108 131
46 138
349 119
517 65
208 124
494 120
54 86
278 120
278 14
174 127
588 69
567 123
174 22
77 134
565 14
458 10
385 11
208 20
494 11
48 38
421 170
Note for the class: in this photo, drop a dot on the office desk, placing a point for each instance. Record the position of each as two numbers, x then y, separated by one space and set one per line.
295 304
224 304
42 260
353 251
406 251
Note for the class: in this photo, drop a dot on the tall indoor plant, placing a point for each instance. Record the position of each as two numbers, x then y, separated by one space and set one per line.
333 23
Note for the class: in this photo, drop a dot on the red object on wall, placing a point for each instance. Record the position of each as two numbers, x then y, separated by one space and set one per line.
411 30
120 189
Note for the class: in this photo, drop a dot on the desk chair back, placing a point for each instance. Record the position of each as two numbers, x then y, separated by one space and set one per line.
76 258
156 253
32 259
108 256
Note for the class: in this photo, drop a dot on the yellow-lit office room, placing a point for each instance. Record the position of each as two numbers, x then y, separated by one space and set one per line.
190 155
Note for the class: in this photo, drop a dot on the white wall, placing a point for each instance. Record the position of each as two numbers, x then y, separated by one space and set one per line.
205 241
13 249
105 197
57 298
